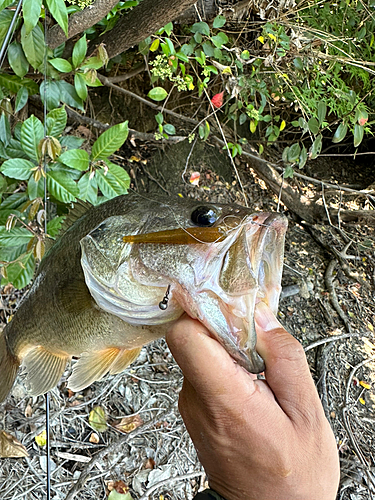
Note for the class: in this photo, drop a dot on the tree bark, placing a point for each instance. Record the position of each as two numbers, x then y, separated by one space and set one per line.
141 22
80 21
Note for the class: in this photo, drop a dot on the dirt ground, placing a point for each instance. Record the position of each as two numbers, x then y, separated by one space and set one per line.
145 444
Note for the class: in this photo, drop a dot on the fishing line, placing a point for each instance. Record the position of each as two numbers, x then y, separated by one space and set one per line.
9 34
47 399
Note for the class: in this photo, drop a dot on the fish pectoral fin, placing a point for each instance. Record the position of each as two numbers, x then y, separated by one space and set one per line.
94 365
44 369
124 358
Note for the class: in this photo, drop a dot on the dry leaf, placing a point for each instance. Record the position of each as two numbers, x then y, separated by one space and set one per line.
150 463
94 438
194 178
10 447
28 411
128 424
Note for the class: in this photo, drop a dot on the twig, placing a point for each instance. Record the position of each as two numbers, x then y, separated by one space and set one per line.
334 338
111 448
328 279
157 485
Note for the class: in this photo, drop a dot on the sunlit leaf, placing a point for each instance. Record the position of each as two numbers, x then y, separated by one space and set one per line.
17 168
10 447
32 133
157 94
110 141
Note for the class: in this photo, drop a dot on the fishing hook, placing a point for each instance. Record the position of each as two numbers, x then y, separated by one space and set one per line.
164 303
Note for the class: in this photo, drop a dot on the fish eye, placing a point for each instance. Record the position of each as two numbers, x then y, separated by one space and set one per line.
204 216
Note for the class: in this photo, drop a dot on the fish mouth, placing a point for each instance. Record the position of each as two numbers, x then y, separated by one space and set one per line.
250 272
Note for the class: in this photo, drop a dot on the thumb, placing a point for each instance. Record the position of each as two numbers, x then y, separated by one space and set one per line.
287 371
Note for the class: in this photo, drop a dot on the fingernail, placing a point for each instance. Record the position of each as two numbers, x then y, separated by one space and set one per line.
265 318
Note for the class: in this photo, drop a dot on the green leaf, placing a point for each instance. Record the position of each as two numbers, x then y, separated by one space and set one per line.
17 168
32 133
14 83
168 28
21 99
54 225
5 133
340 132
5 213
159 118
219 21
31 12
69 95
61 65
316 147
80 86
62 187
201 27
109 185
313 125
219 40
33 46
298 64
322 111
358 134
15 237
71 141
288 172
294 152
169 129
5 3
56 121
75 158
20 273
35 189
60 14
88 188
157 94
50 90
17 59
302 158
120 174
79 52
92 63
14 150
110 141
6 17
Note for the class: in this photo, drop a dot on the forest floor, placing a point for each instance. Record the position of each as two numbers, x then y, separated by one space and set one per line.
144 444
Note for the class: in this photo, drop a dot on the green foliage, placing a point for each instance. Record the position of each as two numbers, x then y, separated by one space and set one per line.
33 159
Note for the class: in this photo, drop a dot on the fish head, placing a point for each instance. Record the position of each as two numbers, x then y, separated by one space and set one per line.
215 261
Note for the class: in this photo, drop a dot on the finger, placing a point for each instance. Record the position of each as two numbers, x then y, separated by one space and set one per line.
208 367
287 371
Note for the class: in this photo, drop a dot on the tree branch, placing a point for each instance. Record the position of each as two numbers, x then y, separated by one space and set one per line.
80 21
139 23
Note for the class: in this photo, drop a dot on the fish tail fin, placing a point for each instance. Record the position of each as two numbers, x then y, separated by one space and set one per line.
8 368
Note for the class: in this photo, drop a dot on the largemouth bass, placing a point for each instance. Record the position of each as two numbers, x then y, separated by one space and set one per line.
125 269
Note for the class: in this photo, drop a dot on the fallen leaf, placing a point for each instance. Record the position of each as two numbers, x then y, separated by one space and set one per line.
94 438
10 447
41 439
364 384
362 401
150 463
128 424
194 178
98 419
217 100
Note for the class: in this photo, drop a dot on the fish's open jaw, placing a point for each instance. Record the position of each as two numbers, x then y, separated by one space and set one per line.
251 272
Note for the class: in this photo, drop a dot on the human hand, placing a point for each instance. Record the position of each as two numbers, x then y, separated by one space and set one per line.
257 440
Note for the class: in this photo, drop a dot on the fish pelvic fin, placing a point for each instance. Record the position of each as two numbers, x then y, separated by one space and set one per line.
9 365
94 365
44 369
